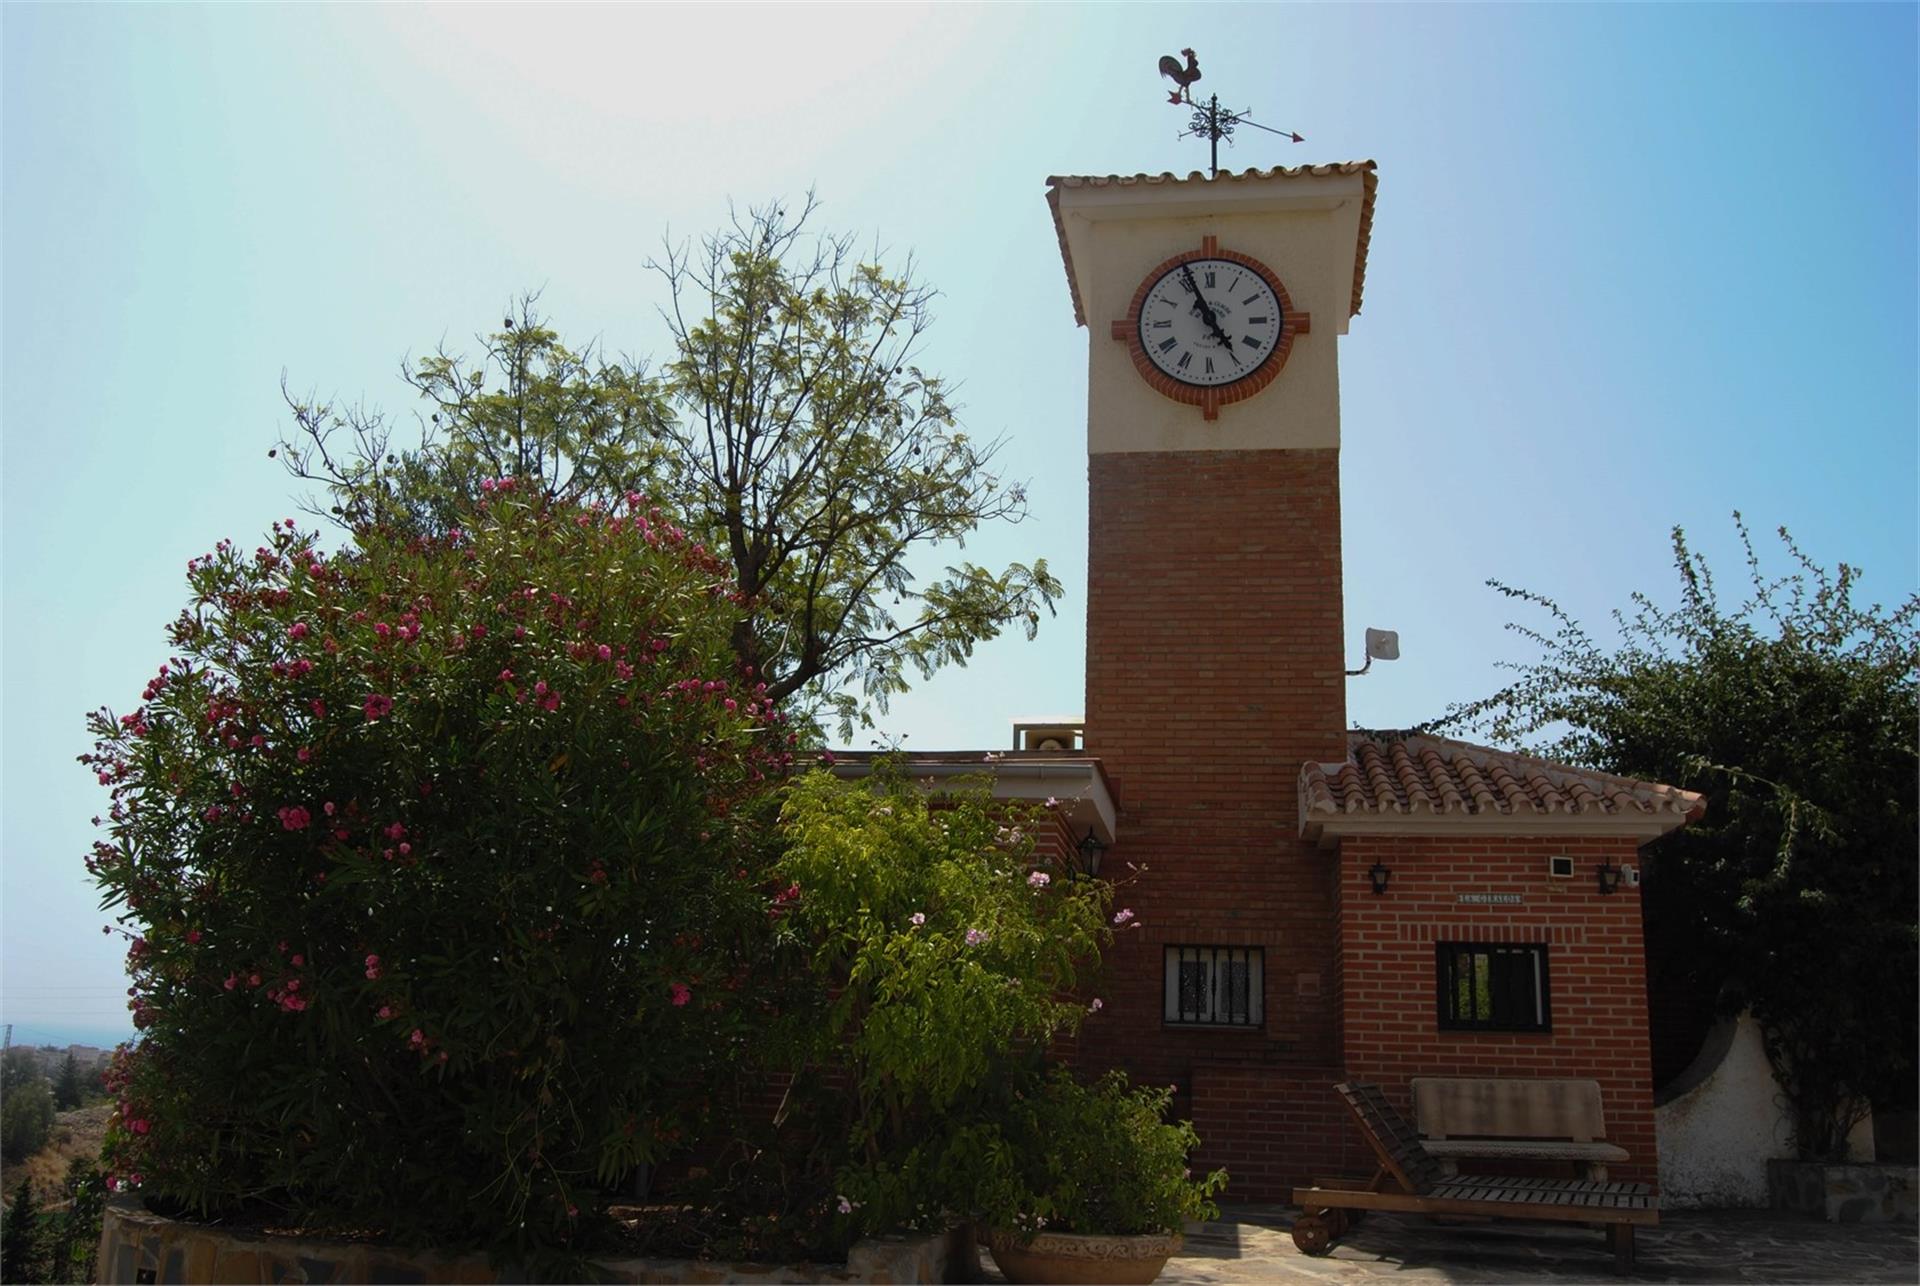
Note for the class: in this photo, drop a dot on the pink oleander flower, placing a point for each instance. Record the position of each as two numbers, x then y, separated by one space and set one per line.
295 818
975 937
1039 880
418 1039
550 702
233 980
385 1012
299 961
303 754
373 967
1123 915
298 630
681 993
378 706
604 652
319 708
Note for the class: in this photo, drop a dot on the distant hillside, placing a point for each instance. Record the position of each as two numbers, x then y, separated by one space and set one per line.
76 1133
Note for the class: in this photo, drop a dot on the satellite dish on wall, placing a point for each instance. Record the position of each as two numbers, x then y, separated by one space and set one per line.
1382 645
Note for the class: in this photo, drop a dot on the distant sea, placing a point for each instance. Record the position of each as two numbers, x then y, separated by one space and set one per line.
42 1033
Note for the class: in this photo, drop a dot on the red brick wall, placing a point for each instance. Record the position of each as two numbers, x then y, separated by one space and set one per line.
1214 669
1596 973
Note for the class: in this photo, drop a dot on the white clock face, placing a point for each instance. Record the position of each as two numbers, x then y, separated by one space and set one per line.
1210 322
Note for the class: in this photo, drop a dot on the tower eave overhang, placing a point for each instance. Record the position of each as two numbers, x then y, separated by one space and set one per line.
1302 187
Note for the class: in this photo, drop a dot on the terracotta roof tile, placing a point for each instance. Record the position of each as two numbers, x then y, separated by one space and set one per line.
1367 168
1399 775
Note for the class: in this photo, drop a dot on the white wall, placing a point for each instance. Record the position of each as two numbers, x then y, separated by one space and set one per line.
1716 1138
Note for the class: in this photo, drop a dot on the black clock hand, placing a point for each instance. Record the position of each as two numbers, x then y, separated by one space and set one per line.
1206 314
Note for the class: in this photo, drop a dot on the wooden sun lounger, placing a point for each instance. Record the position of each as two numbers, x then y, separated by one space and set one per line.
1326 1212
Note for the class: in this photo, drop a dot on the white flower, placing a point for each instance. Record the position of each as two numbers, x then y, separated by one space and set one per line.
917 919
1122 915
975 937
1039 880
1096 1006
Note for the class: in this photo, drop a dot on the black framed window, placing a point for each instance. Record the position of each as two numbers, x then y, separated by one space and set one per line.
1493 986
1215 986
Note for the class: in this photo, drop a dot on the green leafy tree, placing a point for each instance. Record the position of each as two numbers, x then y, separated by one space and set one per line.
1794 713
68 1090
26 1118
942 946
23 1256
441 860
792 426
76 1231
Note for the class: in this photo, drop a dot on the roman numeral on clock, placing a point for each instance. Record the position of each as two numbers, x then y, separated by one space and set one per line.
1186 359
1250 341
1168 345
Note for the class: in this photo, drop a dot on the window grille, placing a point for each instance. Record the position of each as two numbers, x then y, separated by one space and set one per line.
1493 986
1215 986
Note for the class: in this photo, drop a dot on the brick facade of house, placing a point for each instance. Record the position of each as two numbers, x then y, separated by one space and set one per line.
1596 970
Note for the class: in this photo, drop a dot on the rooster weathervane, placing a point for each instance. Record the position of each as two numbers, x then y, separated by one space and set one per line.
1208 119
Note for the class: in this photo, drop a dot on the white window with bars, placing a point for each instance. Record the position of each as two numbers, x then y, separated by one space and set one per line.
1215 987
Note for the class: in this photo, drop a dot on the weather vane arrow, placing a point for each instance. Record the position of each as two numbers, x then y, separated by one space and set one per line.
1209 120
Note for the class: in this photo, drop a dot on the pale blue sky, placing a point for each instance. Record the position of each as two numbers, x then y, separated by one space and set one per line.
1632 266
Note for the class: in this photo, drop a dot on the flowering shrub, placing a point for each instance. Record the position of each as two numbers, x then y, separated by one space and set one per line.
1098 1159
442 863
945 951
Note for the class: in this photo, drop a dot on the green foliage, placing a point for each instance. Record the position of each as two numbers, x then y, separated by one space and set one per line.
68 1090
20 1067
1794 714
941 945
26 1118
75 1231
823 456
1097 1159
792 426
23 1250
444 860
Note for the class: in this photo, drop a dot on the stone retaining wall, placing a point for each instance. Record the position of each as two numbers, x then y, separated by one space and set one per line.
1845 1193
138 1246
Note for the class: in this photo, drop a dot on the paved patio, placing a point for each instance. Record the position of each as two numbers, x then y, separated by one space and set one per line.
1252 1244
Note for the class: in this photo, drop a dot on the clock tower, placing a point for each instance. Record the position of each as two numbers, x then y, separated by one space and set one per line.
1215 646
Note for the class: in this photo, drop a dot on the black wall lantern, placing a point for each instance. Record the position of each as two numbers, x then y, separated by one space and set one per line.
1610 876
1091 851
1379 874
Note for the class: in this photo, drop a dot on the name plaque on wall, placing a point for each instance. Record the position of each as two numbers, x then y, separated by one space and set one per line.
1491 899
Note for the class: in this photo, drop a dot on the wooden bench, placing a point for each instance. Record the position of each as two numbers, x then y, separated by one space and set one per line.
1475 1118
1326 1212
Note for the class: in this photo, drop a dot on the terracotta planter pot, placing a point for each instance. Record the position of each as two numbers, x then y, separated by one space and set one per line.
1074 1260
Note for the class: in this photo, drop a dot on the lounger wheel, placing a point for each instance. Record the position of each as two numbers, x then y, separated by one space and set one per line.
1313 1234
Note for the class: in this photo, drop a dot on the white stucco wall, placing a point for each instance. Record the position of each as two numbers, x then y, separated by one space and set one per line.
1715 1139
